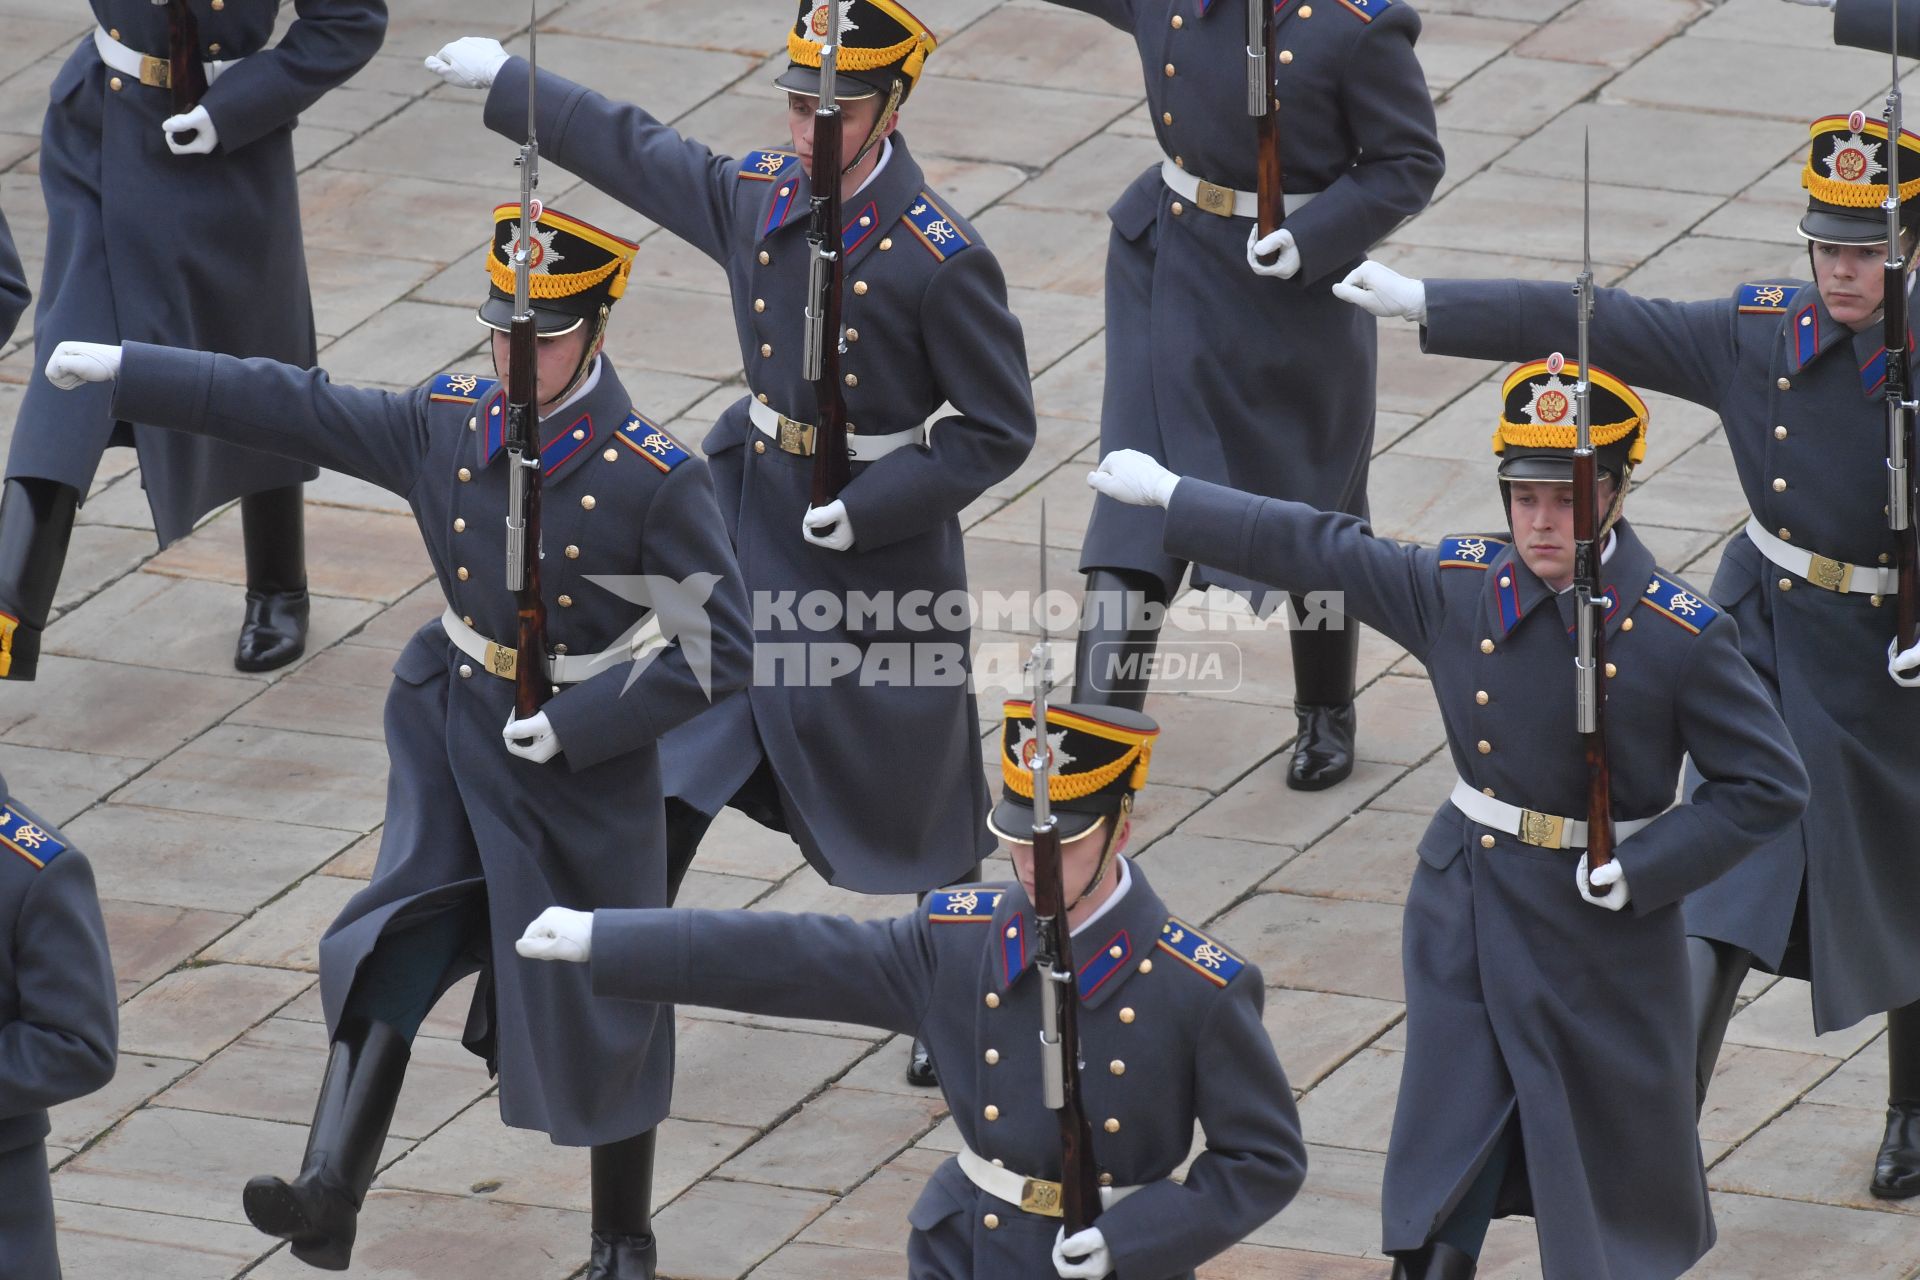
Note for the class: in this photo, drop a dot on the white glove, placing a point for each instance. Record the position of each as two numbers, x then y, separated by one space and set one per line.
532 739
558 934
1129 476
195 122
1084 1257
1384 292
471 62
1903 667
73 363
1286 266
829 526
1612 874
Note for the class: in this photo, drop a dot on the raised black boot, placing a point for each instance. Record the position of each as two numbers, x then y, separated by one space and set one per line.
274 528
1437 1261
1113 656
1896 1171
318 1212
36 523
623 1243
1325 660
1715 971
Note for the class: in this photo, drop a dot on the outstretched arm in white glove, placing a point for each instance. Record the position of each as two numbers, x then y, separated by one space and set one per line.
532 739
191 133
1610 879
1904 667
1284 267
1384 292
471 62
1129 476
1084 1256
73 363
558 934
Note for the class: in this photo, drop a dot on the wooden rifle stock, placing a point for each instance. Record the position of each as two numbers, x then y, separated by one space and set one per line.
186 74
1264 104
832 468
531 687
1079 1175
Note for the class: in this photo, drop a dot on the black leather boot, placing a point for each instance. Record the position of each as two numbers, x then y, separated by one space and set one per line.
274 528
36 523
1896 1171
318 1212
623 1243
1116 642
1433 1262
1325 660
1715 971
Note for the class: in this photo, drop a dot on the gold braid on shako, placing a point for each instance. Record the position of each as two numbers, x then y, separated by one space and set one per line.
1538 411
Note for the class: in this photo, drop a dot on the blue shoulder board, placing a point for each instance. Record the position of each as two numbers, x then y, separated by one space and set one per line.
1679 603
1470 551
1202 954
1367 10
651 443
765 166
33 842
936 230
1763 299
951 906
460 388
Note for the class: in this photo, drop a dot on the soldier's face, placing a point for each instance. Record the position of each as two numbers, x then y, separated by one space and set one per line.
1079 858
856 122
559 359
1850 278
1542 517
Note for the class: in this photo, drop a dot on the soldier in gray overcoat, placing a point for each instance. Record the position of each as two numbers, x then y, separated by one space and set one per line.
1250 375
59 1020
482 833
1796 371
1169 1024
178 222
835 759
1868 24
1550 1048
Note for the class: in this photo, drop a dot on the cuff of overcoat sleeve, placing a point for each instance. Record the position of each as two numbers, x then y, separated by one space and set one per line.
164 386
1206 523
640 954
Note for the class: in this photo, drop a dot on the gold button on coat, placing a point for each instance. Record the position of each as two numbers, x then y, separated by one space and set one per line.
1481 697
1178 22
466 672
993 1000
1506 580
573 553
1118 1067
1627 625
992 1112
1306 11
1286 57
759 304
1786 535
1178 208
993 1057
1779 485
1780 433
1146 966
610 455
860 288
1169 69
853 335
459 525
214 47
1486 646
991 1222
886 243
1786 584
465 475
1783 384
1486 748
1612 670
587 502
853 379
1166 117
461 573
1115 952
1013 931
765 257
1126 1015
1112 1125
114 84
759 446
566 602
766 349
1486 842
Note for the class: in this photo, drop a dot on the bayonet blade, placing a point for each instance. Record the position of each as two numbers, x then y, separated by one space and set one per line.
1586 206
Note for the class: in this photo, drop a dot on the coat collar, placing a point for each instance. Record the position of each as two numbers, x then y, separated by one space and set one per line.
1811 330
1870 353
1622 580
1131 929
1513 592
568 435
884 202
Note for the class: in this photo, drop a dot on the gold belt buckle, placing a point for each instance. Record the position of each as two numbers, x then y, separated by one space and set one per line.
1039 1196
1542 830
502 661
1214 199
796 437
156 72
1831 575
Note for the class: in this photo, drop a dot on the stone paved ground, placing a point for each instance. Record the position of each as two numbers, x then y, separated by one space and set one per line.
230 816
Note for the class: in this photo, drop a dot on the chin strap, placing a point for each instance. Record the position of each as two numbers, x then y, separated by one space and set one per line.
1107 851
879 126
587 357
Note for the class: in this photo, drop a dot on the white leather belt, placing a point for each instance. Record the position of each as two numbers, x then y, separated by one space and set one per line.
563 668
1829 575
796 437
1034 1195
1542 830
149 70
1224 202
